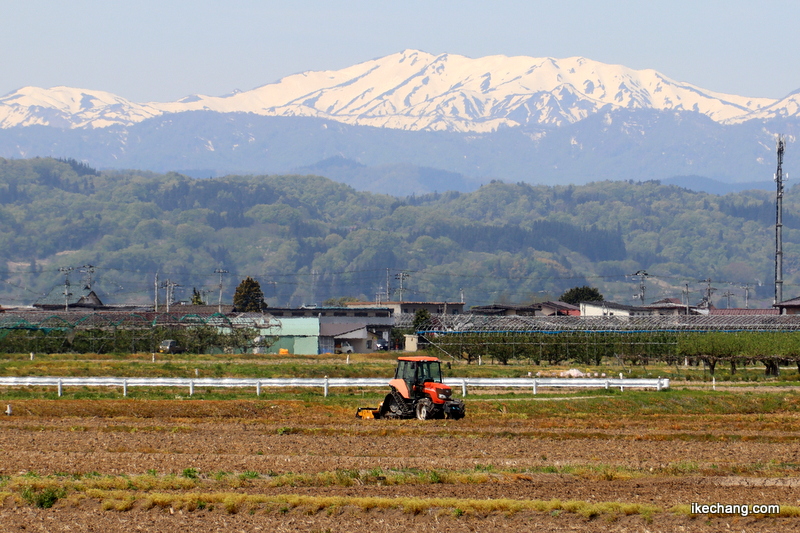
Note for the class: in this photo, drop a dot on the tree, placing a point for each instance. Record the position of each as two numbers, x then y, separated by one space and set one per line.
248 297
576 295
421 318
196 298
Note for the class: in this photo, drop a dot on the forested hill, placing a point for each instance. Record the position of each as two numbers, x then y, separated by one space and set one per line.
307 239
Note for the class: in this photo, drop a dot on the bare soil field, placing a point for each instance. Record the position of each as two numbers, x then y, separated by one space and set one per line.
278 465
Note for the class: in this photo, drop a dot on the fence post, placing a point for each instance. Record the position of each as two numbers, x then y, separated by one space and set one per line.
258 388
325 393
60 388
658 387
125 388
191 387
463 387
535 383
606 384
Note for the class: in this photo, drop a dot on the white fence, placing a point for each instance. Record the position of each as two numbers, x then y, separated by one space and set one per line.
534 384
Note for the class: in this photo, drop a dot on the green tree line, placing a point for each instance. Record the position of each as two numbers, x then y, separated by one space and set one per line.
737 349
307 239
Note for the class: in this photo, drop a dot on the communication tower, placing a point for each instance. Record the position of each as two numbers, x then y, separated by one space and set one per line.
779 223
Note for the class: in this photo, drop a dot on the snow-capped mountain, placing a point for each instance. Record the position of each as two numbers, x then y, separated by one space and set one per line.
414 90
65 107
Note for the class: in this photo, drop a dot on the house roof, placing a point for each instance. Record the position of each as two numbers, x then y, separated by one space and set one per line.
197 309
743 312
794 302
91 300
561 305
372 304
666 303
496 309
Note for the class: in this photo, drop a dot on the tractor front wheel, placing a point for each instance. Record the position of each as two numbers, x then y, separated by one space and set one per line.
424 409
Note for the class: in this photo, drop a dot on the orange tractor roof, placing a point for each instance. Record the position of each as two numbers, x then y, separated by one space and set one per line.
418 358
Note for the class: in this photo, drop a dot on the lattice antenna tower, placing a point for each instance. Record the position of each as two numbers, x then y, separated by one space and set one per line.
779 222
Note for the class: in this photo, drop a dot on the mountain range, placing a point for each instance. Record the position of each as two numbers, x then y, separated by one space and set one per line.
537 120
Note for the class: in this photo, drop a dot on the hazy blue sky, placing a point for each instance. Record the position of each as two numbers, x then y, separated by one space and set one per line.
162 50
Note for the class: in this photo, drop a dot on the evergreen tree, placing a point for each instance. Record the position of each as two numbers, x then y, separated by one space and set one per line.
196 298
421 318
576 295
248 297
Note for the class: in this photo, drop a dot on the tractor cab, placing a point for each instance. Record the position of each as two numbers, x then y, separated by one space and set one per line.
417 371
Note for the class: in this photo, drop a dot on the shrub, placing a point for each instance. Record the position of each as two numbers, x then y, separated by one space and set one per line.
43 499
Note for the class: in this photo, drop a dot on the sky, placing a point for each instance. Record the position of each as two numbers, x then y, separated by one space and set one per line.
164 50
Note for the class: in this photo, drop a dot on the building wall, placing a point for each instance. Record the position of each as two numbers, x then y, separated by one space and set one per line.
589 309
453 308
306 345
301 335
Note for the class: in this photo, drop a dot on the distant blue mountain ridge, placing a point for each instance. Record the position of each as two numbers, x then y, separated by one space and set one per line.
634 145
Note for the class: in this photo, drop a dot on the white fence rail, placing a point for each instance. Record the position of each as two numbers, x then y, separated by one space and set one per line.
534 384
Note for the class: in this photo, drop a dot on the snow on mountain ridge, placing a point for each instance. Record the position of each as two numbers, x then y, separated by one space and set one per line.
414 90
70 108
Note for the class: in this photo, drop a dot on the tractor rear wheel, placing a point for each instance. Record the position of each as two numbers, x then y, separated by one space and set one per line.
424 409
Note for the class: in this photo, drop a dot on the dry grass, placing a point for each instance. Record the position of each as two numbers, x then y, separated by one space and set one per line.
234 502
148 493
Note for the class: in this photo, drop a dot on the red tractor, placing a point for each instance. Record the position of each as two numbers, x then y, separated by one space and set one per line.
417 390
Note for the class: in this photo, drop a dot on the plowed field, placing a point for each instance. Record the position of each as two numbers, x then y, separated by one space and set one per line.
136 465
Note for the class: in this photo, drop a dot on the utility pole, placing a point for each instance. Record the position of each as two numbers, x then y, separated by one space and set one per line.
642 275
727 294
220 271
314 281
746 288
155 300
709 290
165 285
779 223
67 294
686 293
402 276
88 270
388 294
170 286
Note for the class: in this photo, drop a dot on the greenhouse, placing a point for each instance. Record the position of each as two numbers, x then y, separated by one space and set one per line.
740 340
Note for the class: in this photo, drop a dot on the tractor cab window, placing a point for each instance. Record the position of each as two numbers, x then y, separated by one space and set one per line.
430 372
406 371
413 372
